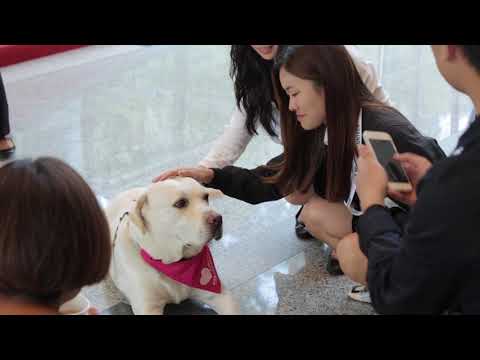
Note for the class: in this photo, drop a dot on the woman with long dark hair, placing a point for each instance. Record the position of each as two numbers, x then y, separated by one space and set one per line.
324 108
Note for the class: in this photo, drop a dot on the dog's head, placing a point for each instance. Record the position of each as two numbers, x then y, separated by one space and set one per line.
173 219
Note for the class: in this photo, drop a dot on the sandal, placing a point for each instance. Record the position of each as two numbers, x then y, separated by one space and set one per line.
10 150
333 266
300 229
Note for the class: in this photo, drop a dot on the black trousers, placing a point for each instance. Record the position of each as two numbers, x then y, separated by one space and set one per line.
4 120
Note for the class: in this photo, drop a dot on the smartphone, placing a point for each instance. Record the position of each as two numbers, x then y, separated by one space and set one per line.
384 148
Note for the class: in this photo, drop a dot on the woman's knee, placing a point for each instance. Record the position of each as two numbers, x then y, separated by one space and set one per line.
318 213
351 258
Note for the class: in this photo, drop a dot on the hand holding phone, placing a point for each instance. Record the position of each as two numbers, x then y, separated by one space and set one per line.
385 149
371 179
416 167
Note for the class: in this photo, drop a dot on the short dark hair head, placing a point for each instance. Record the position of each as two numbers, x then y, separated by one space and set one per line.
54 236
472 53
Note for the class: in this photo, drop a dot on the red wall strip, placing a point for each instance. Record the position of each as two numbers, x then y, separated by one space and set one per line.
12 54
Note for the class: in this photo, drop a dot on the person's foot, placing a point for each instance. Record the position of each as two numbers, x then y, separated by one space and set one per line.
333 266
7 146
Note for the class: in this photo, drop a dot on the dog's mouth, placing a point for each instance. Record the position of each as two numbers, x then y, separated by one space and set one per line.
217 235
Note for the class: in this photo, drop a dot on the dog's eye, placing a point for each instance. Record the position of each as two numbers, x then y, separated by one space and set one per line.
181 203
205 197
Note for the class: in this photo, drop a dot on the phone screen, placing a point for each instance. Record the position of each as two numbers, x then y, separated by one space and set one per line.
384 151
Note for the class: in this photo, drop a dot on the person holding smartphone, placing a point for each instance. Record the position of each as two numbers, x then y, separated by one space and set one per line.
431 266
385 150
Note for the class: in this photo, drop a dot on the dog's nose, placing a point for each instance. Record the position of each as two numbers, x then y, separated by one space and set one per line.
215 220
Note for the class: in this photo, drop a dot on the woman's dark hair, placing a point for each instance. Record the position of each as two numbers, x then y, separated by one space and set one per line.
252 79
330 67
472 52
54 236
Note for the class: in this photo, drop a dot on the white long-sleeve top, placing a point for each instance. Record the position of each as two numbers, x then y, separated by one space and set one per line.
234 140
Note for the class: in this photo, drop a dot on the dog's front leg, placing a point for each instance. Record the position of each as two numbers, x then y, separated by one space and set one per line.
222 304
148 308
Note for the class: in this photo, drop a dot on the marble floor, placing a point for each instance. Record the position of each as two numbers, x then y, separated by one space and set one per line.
121 115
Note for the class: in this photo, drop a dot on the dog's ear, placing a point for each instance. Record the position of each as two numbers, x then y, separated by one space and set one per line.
136 215
214 193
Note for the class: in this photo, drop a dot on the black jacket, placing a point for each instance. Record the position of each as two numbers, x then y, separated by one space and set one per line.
433 266
4 121
247 185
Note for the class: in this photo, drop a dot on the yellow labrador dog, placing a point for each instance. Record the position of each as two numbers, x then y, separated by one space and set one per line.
172 222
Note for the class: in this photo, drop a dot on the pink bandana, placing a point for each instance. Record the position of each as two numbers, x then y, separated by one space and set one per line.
197 272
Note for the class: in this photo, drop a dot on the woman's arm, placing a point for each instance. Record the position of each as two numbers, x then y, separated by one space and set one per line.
245 185
239 183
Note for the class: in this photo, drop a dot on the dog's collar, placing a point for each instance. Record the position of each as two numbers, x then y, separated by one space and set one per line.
197 272
118 226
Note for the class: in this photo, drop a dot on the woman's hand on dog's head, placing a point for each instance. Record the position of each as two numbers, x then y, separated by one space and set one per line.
201 174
